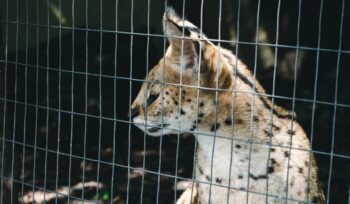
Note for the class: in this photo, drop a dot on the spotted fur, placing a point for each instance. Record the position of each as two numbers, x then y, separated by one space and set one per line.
249 149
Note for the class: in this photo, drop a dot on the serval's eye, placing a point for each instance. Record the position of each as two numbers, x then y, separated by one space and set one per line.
151 98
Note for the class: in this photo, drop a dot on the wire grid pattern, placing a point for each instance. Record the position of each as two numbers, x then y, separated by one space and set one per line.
77 73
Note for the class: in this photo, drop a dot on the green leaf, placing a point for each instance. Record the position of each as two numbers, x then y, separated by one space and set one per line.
106 196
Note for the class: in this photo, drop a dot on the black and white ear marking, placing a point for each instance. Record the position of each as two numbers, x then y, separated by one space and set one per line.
183 38
174 31
171 23
174 27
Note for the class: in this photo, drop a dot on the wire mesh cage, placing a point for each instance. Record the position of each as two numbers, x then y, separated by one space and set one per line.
72 73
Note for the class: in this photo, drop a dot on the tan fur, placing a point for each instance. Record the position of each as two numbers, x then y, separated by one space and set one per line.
236 125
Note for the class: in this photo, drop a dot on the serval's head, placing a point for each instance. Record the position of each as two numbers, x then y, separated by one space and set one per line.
169 100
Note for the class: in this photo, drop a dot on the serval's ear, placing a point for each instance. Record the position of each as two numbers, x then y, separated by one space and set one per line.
184 40
188 45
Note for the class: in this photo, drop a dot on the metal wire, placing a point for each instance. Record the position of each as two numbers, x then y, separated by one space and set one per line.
5 105
294 95
130 94
335 100
59 100
36 103
233 100
15 107
151 172
182 67
161 119
164 36
174 129
100 101
25 101
115 107
86 96
72 107
218 61
47 100
44 68
342 105
253 99
315 90
273 100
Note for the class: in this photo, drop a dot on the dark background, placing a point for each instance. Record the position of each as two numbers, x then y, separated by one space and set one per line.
67 91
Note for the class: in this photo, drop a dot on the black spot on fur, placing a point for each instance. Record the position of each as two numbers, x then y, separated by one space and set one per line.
242 189
238 146
270 170
264 100
182 112
201 104
268 133
291 132
272 149
200 115
286 154
200 170
306 163
240 176
228 121
273 161
218 180
248 104
300 170
166 93
189 100
207 178
215 125
255 118
275 127
257 177
184 92
167 102
171 111
175 102
194 126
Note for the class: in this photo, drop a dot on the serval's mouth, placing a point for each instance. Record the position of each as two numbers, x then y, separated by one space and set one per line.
157 128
